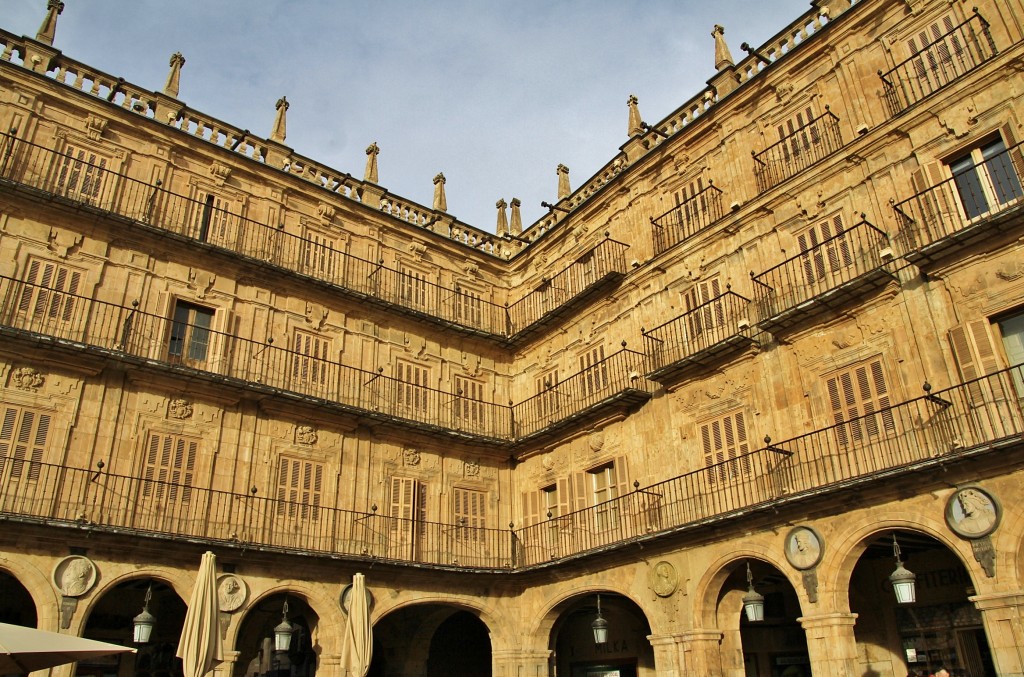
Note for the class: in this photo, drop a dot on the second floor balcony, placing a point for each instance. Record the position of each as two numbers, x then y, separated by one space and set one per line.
965 201
702 337
687 218
936 430
824 276
798 149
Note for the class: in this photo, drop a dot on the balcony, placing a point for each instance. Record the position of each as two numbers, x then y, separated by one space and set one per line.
836 273
83 182
797 151
708 335
77 322
960 208
593 272
944 60
611 384
936 430
687 219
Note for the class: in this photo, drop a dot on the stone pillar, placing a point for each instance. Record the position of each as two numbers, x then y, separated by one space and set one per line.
329 665
1003 615
831 644
701 652
520 662
667 654
227 667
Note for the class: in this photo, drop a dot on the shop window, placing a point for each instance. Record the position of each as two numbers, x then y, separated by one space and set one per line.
299 488
23 434
725 446
985 178
169 467
189 341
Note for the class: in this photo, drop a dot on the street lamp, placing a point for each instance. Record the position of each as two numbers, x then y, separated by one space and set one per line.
599 626
142 625
283 631
902 580
753 602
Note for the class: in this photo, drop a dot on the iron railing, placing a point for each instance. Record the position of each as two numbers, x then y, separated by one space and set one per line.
699 331
604 264
613 379
965 420
688 218
822 271
83 179
796 152
128 330
963 204
938 63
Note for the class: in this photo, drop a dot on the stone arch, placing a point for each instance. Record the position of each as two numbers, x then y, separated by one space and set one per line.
852 541
39 585
324 643
706 592
1009 538
568 597
178 580
487 613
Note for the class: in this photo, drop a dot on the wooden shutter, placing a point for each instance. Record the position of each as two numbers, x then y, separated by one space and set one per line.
413 287
80 174
409 510
469 406
23 434
299 488
52 290
581 491
413 380
710 315
594 371
860 390
975 352
470 508
311 359
318 255
723 441
169 467
531 508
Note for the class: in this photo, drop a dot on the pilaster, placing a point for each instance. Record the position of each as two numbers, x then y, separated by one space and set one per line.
1002 614
701 652
831 644
520 662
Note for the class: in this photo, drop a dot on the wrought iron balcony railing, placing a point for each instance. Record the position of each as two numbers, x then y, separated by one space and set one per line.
614 381
942 61
828 275
959 422
83 180
602 266
56 314
703 336
688 218
938 428
962 205
799 150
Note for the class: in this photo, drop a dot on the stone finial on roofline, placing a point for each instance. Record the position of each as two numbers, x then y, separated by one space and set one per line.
49 25
372 151
563 182
636 124
502 227
174 77
440 202
279 132
516 227
723 57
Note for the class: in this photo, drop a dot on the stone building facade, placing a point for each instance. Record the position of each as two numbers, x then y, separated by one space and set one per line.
769 346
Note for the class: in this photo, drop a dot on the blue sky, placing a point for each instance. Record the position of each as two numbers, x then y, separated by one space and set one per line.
494 94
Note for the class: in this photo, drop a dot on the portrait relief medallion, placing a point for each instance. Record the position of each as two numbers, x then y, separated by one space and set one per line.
231 592
804 547
972 512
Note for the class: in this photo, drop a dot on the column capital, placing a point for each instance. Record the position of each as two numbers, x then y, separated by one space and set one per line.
998 600
837 618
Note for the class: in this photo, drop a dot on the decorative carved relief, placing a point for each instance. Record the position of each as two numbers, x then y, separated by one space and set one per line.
316 315
325 212
95 126
472 469
306 434
74 576
985 554
472 269
958 121
232 592
62 242
179 408
219 173
664 579
411 456
200 281
27 378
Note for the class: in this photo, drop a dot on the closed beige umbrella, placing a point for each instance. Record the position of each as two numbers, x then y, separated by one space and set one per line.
357 644
200 646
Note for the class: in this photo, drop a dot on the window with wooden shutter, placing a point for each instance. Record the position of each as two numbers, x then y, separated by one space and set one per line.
985 179
702 313
976 356
311 359
594 371
469 406
299 488
23 434
470 512
407 526
1012 331
938 54
190 336
859 399
824 249
725 446
80 174
546 387
169 466
606 483
49 293
412 285
468 306
319 255
212 219
799 133
413 380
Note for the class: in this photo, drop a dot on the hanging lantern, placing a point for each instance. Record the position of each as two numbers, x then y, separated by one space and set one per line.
142 625
753 603
902 579
283 631
599 626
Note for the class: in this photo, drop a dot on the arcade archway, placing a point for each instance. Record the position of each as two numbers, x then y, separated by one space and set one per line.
448 640
626 651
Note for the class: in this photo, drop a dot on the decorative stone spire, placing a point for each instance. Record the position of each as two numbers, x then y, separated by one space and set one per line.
516 227
635 122
371 162
563 182
279 132
502 227
723 58
173 78
440 203
49 25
